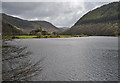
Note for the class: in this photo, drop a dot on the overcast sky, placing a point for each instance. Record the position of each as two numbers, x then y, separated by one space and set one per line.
61 14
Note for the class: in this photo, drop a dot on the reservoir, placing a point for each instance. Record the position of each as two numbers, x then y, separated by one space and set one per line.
74 59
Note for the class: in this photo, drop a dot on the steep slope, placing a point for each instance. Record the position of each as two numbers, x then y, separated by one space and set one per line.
100 21
9 29
27 26
22 24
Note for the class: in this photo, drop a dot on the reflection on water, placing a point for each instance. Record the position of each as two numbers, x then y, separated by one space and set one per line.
16 63
75 59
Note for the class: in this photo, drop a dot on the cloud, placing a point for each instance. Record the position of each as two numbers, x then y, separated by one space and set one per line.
58 13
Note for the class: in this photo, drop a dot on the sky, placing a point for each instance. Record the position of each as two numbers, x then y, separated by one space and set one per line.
60 14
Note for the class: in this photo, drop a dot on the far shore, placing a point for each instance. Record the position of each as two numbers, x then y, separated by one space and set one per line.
42 36
46 36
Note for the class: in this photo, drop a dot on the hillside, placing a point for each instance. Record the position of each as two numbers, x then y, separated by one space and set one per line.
100 21
47 26
27 26
9 29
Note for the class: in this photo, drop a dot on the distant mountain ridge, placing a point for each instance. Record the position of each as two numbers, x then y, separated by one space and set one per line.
63 28
100 21
27 26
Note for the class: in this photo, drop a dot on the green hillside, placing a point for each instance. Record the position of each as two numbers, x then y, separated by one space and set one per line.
27 26
106 13
10 29
100 21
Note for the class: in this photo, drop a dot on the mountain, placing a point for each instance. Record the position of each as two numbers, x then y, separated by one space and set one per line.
26 26
9 29
64 28
47 26
100 21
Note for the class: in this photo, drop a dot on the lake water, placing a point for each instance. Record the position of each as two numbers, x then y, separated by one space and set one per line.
75 59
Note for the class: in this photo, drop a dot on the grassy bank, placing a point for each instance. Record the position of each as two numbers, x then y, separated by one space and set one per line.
42 36
117 35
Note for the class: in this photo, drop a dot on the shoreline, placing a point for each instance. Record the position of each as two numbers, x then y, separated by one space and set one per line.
43 36
57 37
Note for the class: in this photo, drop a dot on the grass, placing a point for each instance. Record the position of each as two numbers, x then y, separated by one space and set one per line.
117 36
15 26
27 36
42 36
64 36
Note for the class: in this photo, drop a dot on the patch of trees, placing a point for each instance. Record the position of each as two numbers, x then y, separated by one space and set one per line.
39 31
